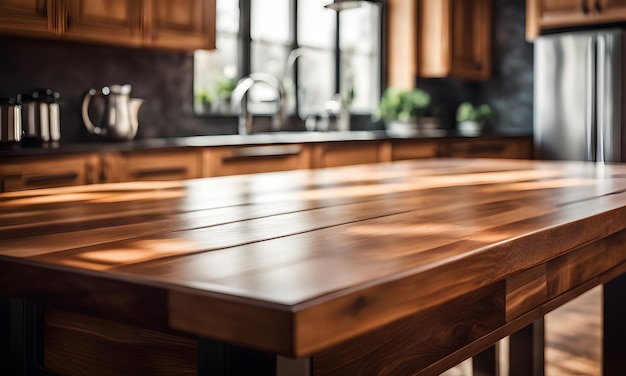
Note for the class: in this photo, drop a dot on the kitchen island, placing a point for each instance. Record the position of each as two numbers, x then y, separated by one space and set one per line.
392 268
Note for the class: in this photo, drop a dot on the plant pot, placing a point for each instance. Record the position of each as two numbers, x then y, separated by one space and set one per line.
470 128
424 126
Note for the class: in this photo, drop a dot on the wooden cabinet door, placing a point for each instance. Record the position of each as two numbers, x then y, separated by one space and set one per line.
154 165
235 160
188 24
454 38
564 10
617 8
413 149
347 153
27 17
516 148
550 14
48 172
107 21
471 39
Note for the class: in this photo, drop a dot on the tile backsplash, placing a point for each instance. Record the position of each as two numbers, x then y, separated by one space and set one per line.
164 79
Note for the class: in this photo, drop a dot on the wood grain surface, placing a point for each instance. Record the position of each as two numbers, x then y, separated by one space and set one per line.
298 262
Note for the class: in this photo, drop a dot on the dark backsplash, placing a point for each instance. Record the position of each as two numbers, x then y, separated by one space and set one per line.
165 80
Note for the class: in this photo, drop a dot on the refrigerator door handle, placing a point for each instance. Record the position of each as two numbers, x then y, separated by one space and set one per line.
601 98
590 99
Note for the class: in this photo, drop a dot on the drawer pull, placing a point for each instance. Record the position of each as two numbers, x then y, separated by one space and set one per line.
584 7
471 149
160 171
262 152
57 178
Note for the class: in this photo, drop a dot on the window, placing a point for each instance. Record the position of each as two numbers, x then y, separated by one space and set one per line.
314 51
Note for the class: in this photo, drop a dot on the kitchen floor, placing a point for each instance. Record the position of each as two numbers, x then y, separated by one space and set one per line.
573 339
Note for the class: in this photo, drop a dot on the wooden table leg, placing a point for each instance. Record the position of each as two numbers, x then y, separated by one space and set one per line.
5 334
220 359
614 338
526 350
486 363
525 355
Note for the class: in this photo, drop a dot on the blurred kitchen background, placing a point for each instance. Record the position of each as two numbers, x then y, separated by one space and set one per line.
257 36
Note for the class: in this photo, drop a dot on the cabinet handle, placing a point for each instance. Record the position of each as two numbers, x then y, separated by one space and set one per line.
160 171
57 178
262 152
474 149
584 7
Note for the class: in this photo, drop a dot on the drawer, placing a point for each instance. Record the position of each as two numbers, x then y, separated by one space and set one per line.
53 171
413 149
221 161
152 165
347 153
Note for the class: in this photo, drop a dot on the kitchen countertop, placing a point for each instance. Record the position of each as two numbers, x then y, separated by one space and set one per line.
305 263
224 140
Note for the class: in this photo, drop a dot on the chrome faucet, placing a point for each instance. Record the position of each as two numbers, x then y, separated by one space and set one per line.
239 101
336 114
288 80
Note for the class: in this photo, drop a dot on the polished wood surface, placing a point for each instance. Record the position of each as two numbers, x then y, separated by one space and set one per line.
299 262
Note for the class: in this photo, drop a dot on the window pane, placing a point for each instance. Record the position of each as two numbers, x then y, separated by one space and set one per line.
270 20
269 58
316 24
215 72
360 57
227 16
360 81
360 29
266 58
316 80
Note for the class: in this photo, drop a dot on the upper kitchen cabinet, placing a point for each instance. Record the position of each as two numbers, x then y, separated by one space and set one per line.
553 14
455 38
167 24
439 38
176 23
28 17
108 21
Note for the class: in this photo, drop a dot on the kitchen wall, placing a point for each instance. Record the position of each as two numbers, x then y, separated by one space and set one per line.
165 80
510 91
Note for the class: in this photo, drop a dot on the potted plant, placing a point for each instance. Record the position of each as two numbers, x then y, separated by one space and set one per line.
406 112
203 100
471 119
224 88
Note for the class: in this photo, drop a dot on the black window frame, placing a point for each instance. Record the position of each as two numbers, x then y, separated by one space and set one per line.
245 43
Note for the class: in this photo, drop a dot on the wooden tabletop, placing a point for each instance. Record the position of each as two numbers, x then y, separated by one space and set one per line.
296 262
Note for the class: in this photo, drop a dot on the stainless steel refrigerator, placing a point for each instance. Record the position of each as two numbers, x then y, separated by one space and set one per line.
580 100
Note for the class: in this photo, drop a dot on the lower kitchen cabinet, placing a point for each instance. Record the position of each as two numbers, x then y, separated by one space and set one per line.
173 164
180 163
233 160
414 149
516 148
23 173
335 154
